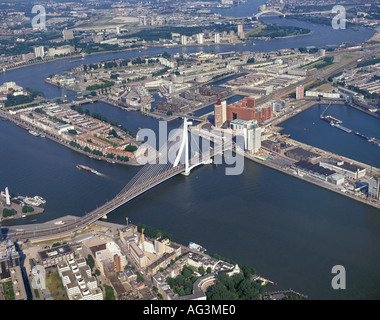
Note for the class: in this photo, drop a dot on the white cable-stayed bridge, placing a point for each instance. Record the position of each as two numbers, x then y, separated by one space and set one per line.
150 175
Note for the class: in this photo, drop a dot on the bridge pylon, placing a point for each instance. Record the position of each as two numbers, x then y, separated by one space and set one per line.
184 148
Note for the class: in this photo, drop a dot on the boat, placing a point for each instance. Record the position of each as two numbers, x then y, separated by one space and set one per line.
93 157
34 133
42 135
81 166
32 201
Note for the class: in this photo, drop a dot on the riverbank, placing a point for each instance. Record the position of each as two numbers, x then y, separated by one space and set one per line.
311 180
27 126
15 211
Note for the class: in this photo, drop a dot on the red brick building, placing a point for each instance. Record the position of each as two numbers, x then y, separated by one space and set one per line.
244 109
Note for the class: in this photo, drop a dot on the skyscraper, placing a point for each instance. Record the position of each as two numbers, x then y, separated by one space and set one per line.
184 40
300 92
374 187
200 38
240 31
220 113
217 38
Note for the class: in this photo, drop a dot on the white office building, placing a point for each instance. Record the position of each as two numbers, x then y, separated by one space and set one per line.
217 38
251 132
200 38
39 51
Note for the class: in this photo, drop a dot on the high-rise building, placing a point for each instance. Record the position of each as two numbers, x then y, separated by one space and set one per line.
220 113
217 38
9 257
200 38
251 132
374 187
300 92
39 51
240 31
142 20
184 40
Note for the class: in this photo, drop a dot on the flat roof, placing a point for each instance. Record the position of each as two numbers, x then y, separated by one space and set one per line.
302 152
55 252
306 165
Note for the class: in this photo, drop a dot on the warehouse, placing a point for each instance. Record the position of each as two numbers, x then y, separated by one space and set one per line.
314 170
349 170
301 154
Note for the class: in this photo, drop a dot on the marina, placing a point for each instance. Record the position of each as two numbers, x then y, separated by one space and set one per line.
336 123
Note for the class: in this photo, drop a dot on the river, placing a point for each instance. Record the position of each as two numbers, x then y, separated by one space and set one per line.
291 231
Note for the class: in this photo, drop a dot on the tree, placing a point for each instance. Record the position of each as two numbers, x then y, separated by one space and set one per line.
186 272
130 148
180 280
166 55
171 282
220 292
226 280
237 279
202 271
27 209
90 261
248 271
74 132
249 290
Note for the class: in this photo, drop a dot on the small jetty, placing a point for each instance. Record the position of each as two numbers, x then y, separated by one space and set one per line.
339 126
284 295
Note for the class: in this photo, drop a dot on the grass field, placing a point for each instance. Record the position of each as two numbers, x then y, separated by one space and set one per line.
8 290
55 285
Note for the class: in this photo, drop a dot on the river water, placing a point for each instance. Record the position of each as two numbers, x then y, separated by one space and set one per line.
291 231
